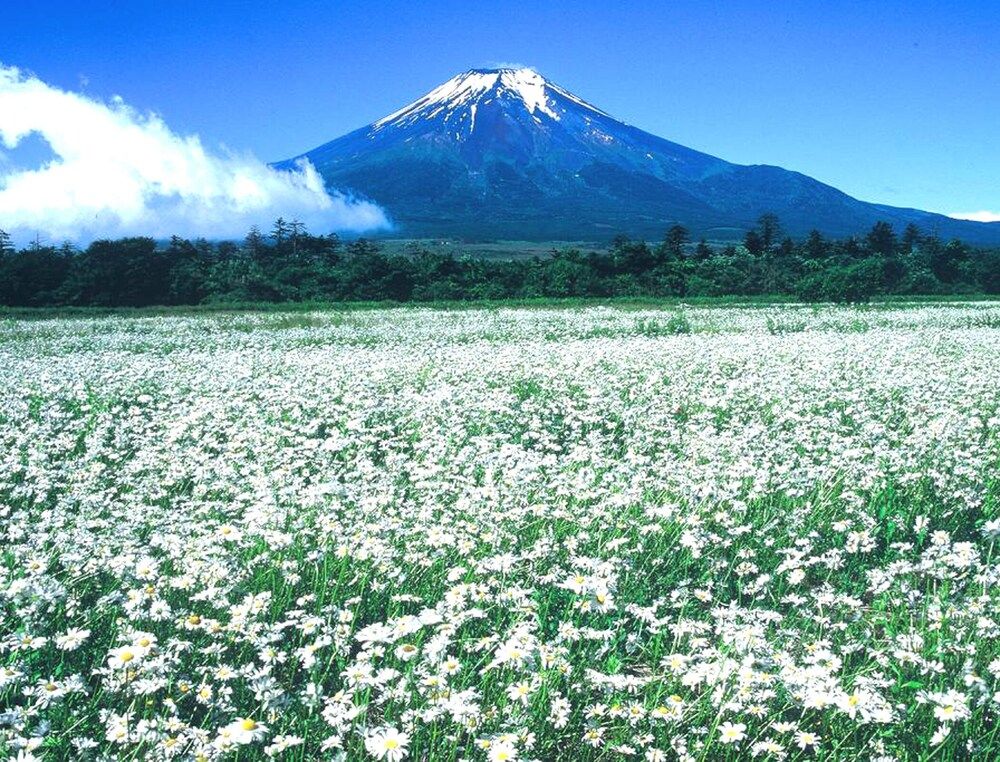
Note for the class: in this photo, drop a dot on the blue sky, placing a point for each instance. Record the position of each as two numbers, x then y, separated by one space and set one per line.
894 102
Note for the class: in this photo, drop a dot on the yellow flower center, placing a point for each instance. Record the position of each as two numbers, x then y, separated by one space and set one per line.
126 656
391 743
248 724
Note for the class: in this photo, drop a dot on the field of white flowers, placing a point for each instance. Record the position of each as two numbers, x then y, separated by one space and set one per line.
697 534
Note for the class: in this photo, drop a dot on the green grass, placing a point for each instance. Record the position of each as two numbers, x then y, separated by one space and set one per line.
620 303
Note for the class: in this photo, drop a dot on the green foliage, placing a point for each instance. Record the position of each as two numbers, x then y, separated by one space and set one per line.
291 265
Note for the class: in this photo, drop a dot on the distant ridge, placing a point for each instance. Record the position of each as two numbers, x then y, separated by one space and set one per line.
507 154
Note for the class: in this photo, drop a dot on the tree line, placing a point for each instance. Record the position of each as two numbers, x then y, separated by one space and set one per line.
291 264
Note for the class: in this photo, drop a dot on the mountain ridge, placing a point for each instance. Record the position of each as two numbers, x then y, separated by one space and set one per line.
506 153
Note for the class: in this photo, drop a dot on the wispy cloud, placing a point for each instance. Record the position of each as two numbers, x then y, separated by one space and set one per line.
118 172
507 65
983 216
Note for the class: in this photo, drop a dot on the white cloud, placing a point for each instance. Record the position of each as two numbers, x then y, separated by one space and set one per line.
982 216
117 172
508 65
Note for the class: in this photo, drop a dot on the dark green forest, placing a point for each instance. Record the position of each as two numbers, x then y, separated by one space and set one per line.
289 264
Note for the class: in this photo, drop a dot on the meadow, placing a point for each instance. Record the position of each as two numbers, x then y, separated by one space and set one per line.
655 533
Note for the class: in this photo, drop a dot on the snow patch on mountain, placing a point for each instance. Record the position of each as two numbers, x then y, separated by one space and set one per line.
461 95
530 88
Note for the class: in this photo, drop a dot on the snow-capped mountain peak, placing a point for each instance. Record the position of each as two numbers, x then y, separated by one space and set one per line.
464 93
507 153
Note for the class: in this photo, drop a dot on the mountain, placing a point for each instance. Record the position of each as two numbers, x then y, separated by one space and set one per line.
507 154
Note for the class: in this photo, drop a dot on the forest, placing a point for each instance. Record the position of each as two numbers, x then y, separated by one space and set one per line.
289 264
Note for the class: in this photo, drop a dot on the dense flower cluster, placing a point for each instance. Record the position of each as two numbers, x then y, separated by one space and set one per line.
501 534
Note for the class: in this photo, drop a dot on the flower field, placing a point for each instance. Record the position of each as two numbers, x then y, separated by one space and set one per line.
698 533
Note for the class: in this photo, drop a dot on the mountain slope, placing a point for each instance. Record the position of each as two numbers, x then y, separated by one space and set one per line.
505 153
